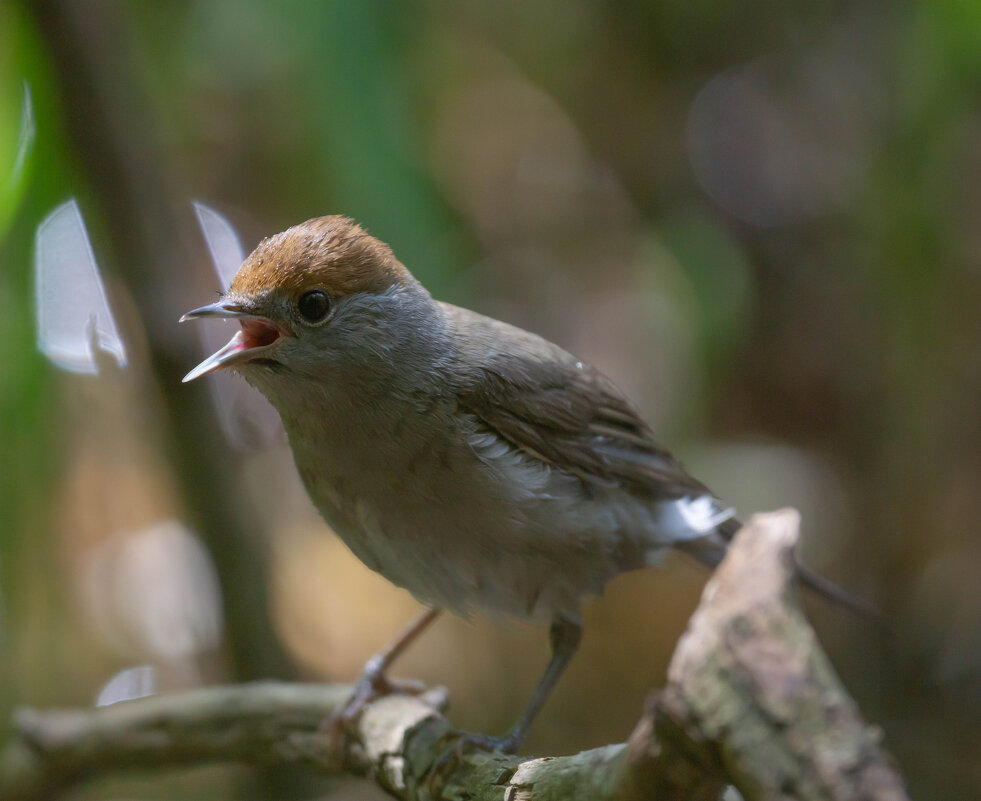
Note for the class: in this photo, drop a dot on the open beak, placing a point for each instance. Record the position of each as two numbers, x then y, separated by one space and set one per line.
257 335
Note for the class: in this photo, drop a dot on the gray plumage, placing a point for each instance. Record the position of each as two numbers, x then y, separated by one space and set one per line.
475 464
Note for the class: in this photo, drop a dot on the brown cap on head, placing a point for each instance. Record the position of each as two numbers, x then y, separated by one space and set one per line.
332 252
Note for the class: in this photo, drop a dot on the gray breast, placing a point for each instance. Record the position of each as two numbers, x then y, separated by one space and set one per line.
464 521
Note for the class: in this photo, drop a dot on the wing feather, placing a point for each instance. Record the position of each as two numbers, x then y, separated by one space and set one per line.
567 414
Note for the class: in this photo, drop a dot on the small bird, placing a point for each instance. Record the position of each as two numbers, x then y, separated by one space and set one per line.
473 463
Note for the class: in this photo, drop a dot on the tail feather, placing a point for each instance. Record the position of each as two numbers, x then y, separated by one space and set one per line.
836 596
710 550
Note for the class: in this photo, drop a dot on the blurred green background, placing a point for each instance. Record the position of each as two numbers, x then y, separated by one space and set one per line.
761 219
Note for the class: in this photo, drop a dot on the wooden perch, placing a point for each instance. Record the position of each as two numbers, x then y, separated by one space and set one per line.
751 701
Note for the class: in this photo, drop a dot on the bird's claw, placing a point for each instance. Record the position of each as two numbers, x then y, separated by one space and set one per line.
467 743
336 726
372 685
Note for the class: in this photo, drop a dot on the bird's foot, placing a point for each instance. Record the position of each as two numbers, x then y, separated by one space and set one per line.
467 743
370 686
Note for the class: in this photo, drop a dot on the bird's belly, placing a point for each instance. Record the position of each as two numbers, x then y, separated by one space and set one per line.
466 545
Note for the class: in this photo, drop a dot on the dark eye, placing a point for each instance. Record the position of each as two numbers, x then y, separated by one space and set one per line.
314 305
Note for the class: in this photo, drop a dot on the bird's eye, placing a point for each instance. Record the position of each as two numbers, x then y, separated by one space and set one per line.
313 305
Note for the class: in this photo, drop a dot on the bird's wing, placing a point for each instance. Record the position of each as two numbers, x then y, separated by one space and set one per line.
557 409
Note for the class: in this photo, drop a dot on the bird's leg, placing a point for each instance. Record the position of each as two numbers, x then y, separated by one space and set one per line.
373 682
374 673
564 636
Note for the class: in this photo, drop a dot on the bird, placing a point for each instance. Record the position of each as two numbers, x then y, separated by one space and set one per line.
475 464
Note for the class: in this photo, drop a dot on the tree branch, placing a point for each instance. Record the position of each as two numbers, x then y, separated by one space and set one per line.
751 700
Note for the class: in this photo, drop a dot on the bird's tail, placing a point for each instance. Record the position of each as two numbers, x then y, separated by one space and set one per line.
835 595
710 549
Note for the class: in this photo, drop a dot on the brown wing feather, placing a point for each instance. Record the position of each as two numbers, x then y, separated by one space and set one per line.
572 417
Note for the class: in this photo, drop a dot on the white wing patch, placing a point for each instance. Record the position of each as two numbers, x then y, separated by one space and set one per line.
693 517
524 476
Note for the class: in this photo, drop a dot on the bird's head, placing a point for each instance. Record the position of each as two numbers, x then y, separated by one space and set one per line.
307 299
